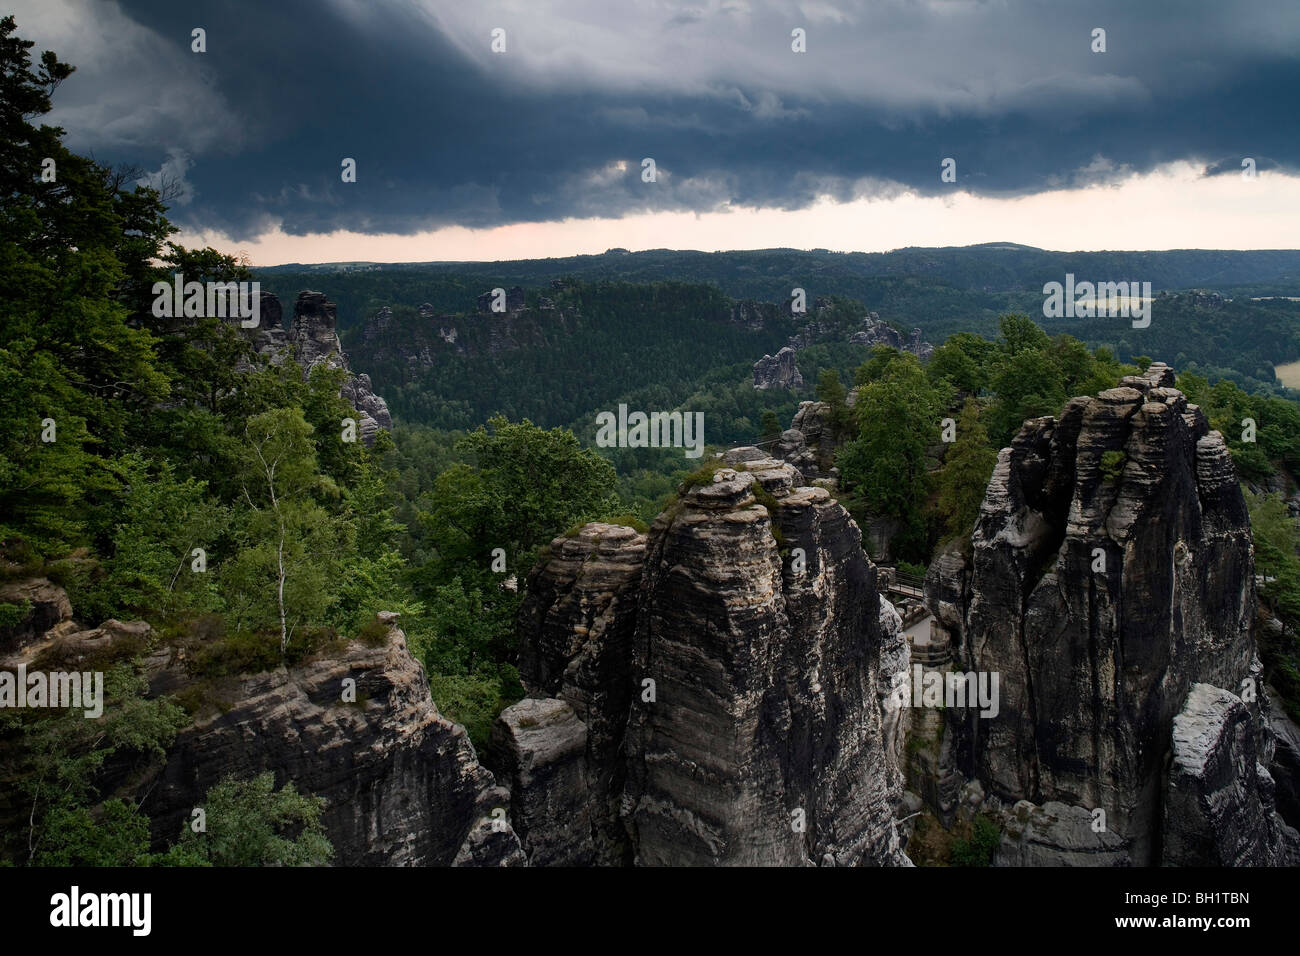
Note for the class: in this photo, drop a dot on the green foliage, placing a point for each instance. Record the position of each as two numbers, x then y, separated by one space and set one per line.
629 521
898 417
979 849
573 345
113 834
472 700
964 477
161 519
55 761
1112 464
519 488
12 614
702 475
250 823
1277 562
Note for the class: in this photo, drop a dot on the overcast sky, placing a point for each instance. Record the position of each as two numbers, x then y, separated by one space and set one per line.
466 153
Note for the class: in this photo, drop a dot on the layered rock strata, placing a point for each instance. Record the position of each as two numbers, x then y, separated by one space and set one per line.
1110 571
759 724
402 785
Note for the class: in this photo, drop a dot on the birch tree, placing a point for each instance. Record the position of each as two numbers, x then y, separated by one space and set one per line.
289 540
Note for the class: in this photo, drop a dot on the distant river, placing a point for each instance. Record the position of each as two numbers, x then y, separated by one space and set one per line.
1288 374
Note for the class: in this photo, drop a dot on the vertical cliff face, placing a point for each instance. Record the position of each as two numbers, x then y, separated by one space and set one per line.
1111 571
764 740
727 678
1220 801
576 626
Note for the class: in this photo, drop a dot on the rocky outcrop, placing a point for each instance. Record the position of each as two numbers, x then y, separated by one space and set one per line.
876 332
539 751
1219 807
402 784
1110 571
44 608
575 627
728 681
1056 835
792 448
755 316
312 340
778 371
758 736
1284 768
873 331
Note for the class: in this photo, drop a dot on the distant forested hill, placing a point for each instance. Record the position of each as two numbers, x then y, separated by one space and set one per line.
567 354
879 279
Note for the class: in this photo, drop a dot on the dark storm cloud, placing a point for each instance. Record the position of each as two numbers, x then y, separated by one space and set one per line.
444 132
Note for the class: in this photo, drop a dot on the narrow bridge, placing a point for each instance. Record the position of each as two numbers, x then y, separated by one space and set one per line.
906 592
905 585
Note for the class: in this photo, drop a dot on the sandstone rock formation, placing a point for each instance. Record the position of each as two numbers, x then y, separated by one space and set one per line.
1111 570
877 332
764 741
46 609
1219 807
312 339
736 694
778 371
539 749
1056 835
873 331
315 341
576 625
402 784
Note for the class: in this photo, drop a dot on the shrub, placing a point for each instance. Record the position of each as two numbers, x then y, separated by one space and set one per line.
1112 464
374 633
978 850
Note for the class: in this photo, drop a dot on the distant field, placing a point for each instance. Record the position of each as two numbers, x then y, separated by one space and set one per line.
1288 374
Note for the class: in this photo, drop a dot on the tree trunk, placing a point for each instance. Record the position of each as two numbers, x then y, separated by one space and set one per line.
284 633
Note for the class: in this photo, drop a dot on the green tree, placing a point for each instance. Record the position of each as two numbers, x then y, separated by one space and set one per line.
898 418
831 391
251 823
289 544
1276 538
57 767
964 477
519 488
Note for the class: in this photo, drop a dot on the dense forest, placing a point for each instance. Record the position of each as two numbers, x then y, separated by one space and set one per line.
158 469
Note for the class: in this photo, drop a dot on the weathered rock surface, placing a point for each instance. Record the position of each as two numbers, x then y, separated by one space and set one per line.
47 605
778 371
873 331
1285 765
1056 835
1219 807
402 784
764 741
877 332
576 625
737 700
312 340
1111 571
538 751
